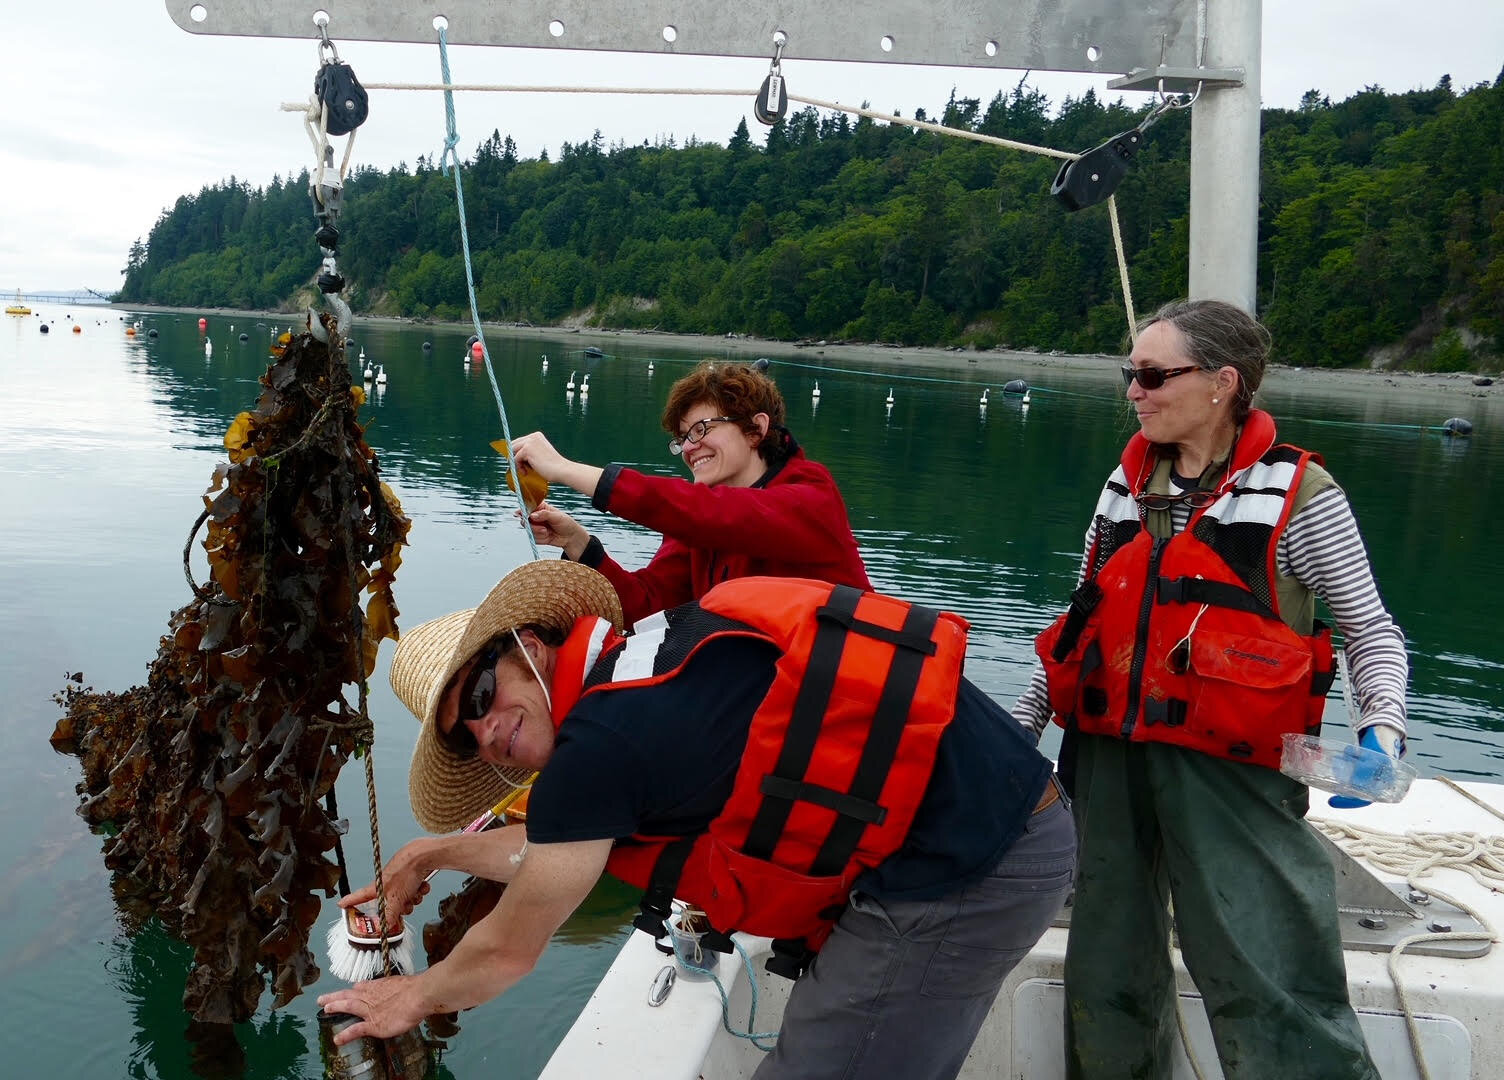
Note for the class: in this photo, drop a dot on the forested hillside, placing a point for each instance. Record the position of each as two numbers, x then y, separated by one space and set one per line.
1382 228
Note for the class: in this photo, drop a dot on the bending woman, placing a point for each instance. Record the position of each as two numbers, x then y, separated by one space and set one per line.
755 505
1189 648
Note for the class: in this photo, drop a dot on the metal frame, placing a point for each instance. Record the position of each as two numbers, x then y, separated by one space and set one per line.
1098 36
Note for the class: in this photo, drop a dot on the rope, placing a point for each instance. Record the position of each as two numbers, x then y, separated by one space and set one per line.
1117 245
450 141
1413 856
756 1038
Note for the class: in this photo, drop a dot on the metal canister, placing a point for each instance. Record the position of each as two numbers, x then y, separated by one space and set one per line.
402 1057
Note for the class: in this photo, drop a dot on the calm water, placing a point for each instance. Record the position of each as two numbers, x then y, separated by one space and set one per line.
106 445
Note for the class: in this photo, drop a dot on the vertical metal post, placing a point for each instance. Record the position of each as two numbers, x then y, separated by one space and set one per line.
1225 160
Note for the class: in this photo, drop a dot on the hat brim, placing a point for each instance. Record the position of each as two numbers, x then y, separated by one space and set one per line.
446 790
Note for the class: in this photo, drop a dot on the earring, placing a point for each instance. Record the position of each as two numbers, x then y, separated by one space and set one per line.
1216 400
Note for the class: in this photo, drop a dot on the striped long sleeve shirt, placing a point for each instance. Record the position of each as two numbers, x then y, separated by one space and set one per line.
1322 548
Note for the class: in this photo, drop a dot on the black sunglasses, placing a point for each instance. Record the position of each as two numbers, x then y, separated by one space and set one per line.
476 694
1152 378
1196 500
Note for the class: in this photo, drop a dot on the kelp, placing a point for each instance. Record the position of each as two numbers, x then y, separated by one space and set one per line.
207 780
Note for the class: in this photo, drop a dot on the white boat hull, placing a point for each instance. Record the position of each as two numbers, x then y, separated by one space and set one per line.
1458 1003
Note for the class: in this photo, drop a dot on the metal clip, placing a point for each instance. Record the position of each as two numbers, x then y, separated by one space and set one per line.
663 982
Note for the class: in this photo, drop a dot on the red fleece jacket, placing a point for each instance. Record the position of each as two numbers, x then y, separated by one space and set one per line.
792 523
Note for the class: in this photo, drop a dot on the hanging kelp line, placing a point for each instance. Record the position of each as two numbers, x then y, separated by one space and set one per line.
206 781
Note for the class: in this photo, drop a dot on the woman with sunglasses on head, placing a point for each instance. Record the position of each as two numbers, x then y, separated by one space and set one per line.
1189 648
755 505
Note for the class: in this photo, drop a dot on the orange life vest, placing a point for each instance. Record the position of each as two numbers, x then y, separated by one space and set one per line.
838 756
1181 640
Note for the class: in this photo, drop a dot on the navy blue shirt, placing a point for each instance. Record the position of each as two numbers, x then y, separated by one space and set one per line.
661 760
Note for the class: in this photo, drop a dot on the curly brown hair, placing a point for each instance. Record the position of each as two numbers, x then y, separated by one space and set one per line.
739 391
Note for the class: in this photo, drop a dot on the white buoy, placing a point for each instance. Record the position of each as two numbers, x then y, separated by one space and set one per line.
545 361
983 402
208 348
890 396
650 367
1024 404
585 385
570 384
369 371
815 393
380 374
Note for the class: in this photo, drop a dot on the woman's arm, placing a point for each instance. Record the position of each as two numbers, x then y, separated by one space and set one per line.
800 511
1322 548
1032 709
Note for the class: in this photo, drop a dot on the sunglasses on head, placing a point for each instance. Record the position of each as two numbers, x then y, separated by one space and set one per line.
475 697
1196 500
1152 378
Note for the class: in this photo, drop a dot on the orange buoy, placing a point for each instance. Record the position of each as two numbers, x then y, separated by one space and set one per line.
77 329
477 351
203 324
130 331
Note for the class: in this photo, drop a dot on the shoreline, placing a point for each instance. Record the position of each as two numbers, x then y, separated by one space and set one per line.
1280 379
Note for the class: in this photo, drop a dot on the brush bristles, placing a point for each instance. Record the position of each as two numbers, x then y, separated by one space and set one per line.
355 948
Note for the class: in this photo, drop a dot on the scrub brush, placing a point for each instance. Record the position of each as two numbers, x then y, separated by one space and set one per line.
355 938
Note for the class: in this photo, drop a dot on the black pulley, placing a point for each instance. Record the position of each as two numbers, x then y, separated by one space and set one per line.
340 91
772 101
1096 174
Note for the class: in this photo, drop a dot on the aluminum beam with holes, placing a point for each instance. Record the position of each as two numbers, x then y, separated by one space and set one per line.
1099 36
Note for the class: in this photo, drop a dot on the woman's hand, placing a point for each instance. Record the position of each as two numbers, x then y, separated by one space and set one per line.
555 528
534 453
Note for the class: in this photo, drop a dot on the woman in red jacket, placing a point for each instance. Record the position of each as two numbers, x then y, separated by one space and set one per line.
755 505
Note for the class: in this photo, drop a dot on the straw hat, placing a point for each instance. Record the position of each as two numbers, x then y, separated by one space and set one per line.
448 791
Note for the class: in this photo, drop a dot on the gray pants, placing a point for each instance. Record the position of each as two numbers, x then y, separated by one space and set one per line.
1254 906
901 988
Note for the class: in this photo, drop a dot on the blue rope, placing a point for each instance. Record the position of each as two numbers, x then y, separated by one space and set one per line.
451 140
751 1036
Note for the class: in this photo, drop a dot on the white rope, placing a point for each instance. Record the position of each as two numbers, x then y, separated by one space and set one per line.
1413 855
1117 245
704 91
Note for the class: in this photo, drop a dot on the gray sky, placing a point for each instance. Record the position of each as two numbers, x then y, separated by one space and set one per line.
112 112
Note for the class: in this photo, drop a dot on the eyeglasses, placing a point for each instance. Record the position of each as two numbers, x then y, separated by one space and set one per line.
697 431
476 694
1196 500
1152 378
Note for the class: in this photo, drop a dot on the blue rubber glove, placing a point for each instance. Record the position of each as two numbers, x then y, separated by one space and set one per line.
1379 737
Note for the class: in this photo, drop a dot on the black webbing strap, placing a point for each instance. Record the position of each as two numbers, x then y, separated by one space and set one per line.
804 724
1184 590
1171 712
663 882
846 805
883 737
1084 601
903 638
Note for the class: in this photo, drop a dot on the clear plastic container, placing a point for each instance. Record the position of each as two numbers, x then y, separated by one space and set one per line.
1345 768
696 963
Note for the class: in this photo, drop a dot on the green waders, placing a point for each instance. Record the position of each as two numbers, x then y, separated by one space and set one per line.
1254 904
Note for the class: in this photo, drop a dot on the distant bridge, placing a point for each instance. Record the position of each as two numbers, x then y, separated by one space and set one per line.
83 296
